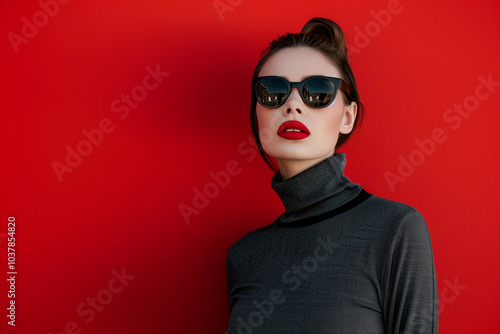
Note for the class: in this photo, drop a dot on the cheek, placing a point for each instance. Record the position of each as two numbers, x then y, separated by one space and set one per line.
262 117
268 122
328 125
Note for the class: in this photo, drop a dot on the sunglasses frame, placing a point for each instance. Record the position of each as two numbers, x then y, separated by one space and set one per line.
337 83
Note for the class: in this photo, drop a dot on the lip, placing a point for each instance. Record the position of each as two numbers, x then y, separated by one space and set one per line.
303 133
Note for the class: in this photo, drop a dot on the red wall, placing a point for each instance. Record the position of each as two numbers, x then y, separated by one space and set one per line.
112 207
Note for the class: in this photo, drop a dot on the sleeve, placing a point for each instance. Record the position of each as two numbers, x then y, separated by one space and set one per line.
232 281
410 296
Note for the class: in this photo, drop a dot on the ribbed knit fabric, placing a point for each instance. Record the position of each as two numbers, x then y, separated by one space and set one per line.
339 260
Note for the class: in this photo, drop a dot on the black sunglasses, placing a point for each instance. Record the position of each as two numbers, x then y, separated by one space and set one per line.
316 92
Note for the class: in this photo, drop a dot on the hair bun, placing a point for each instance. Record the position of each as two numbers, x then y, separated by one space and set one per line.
326 30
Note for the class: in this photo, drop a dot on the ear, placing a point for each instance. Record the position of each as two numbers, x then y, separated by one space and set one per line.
350 112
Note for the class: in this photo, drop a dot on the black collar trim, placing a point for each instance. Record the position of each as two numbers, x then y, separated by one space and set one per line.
361 197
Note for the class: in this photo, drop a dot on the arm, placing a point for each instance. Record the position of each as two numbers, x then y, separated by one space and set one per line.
410 300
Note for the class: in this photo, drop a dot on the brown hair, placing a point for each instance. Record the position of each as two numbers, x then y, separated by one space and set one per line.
325 36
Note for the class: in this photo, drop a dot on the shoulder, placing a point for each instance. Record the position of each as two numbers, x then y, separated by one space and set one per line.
389 210
251 239
397 220
386 207
401 222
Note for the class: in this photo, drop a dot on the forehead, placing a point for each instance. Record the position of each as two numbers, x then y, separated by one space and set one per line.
297 63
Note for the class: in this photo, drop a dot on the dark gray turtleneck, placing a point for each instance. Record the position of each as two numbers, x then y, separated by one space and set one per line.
339 260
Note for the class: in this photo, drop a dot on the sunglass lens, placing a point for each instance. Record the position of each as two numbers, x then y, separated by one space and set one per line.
271 92
318 92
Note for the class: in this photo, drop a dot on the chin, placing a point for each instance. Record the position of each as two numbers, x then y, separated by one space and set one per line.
300 155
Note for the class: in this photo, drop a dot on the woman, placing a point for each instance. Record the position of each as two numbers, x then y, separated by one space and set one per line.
338 260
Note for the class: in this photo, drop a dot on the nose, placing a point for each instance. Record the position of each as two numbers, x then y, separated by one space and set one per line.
294 102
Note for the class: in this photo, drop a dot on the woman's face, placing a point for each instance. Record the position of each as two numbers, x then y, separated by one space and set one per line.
324 125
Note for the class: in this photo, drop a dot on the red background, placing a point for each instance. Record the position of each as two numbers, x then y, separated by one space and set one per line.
119 207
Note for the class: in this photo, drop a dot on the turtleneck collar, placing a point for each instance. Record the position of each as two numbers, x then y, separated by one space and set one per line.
318 189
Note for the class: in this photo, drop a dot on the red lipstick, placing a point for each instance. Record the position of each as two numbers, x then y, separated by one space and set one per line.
293 130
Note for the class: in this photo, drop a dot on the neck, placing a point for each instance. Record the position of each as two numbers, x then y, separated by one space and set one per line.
314 191
290 168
